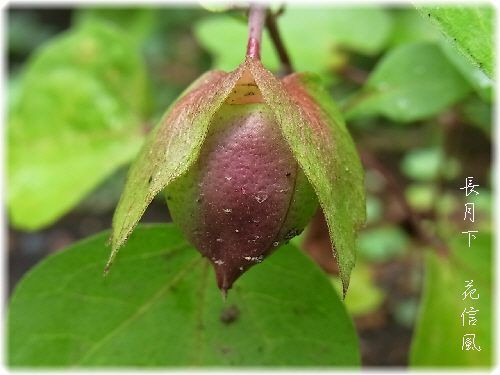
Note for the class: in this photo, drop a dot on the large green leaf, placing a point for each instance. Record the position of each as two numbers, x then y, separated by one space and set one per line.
75 118
363 30
470 28
317 135
137 22
412 82
472 74
439 331
410 26
160 307
100 50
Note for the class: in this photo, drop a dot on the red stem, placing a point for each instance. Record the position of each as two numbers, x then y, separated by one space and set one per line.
256 18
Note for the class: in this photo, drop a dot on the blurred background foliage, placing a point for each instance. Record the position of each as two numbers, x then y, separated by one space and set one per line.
85 86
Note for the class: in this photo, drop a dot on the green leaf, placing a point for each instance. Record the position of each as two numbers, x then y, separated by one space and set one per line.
484 207
364 295
374 209
478 113
214 6
226 39
75 118
315 130
160 307
412 82
410 27
423 164
170 149
100 50
421 196
137 22
469 28
439 331
428 164
382 244
481 83
405 312
364 30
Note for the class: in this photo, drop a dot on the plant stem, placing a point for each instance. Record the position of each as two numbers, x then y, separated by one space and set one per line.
286 65
412 223
354 74
256 17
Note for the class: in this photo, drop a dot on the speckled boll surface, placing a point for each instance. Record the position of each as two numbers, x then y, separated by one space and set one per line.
245 195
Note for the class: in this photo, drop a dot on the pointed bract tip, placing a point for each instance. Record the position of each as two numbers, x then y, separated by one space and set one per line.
345 286
106 269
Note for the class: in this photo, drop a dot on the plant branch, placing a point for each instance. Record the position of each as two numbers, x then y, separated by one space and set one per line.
412 221
354 74
272 26
256 18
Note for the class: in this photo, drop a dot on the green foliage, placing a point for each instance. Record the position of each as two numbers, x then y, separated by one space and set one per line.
412 82
374 209
382 244
422 164
469 28
478 80
98 50
77 111
364 296
479 114
428 164
26 33
364 30
225 38
76 117
405 312
439 332
137 22
410 27
421 196
483 206
160 307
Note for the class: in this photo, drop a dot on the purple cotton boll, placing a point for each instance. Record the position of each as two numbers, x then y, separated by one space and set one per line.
246 195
